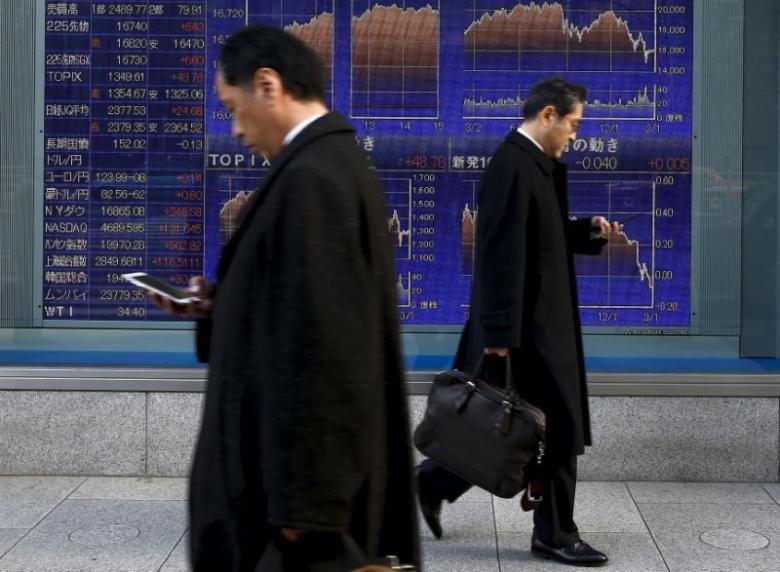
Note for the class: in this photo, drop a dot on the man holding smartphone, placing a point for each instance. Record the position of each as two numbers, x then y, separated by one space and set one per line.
304 453
524 305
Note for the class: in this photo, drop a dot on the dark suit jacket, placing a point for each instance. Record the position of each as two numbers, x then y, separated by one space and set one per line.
305 420
524 294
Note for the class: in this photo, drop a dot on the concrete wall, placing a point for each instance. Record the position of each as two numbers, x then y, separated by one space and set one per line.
153 433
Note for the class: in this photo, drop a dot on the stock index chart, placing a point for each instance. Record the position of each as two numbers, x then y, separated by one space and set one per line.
141 173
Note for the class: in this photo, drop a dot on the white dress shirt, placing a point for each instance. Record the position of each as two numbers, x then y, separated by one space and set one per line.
534 141
300 127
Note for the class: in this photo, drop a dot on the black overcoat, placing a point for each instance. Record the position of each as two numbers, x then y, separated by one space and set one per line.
524 293
305 418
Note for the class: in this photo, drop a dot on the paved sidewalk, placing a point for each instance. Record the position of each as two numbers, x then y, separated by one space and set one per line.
98 524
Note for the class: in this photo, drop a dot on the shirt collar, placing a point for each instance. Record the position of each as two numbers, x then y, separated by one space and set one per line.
300 127
534 141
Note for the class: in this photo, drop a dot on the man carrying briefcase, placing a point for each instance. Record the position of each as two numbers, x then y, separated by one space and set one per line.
524 304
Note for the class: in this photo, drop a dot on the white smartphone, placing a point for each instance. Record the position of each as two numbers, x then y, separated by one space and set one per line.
160 287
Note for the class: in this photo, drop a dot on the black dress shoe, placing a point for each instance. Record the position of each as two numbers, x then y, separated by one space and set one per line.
430 504
579 553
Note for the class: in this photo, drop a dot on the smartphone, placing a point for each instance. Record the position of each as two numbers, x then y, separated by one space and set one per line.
160 287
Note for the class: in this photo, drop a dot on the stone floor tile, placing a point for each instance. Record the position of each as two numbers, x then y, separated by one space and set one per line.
9 537
716 537
732 493
774 490
464 523
475 555
26 500
179 560
606 507
598 507
132 488
100 536
627 552
510 517
475 494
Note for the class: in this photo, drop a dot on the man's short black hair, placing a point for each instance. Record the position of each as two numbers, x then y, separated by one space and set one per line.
254 47
559 93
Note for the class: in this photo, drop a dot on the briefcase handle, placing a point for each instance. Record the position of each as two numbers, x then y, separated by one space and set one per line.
509 385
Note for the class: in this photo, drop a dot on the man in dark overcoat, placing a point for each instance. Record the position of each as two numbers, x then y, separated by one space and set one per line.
304 446
524 306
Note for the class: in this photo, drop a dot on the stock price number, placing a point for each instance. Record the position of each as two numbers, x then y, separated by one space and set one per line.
129 110
183 127
122 295
598 163
122 244
123 210
179 228
438 162
131 311
176 262
186 111
123 194
120 177
189 76
126 127
127 144
670 163
180 93
123 227
234 13
183 245
183 211
189 44
118 261
127 76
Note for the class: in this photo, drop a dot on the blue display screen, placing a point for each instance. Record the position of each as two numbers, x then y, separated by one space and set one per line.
141 173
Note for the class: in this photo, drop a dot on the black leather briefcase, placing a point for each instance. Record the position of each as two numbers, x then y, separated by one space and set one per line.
482 432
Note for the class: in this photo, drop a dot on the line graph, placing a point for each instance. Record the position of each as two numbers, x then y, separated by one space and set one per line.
310 20
398 194
555 38
609 103
468 227
404 289
234 193
395 60
623 276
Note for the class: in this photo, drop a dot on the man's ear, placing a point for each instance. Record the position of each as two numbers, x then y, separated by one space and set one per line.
547 115
266 83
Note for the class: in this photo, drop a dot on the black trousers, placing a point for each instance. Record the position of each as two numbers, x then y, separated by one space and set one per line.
553 520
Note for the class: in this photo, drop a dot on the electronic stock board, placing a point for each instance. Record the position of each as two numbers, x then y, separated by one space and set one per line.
140 172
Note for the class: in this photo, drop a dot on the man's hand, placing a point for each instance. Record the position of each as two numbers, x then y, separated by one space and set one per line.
602 228
199 309
291 534
500 352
